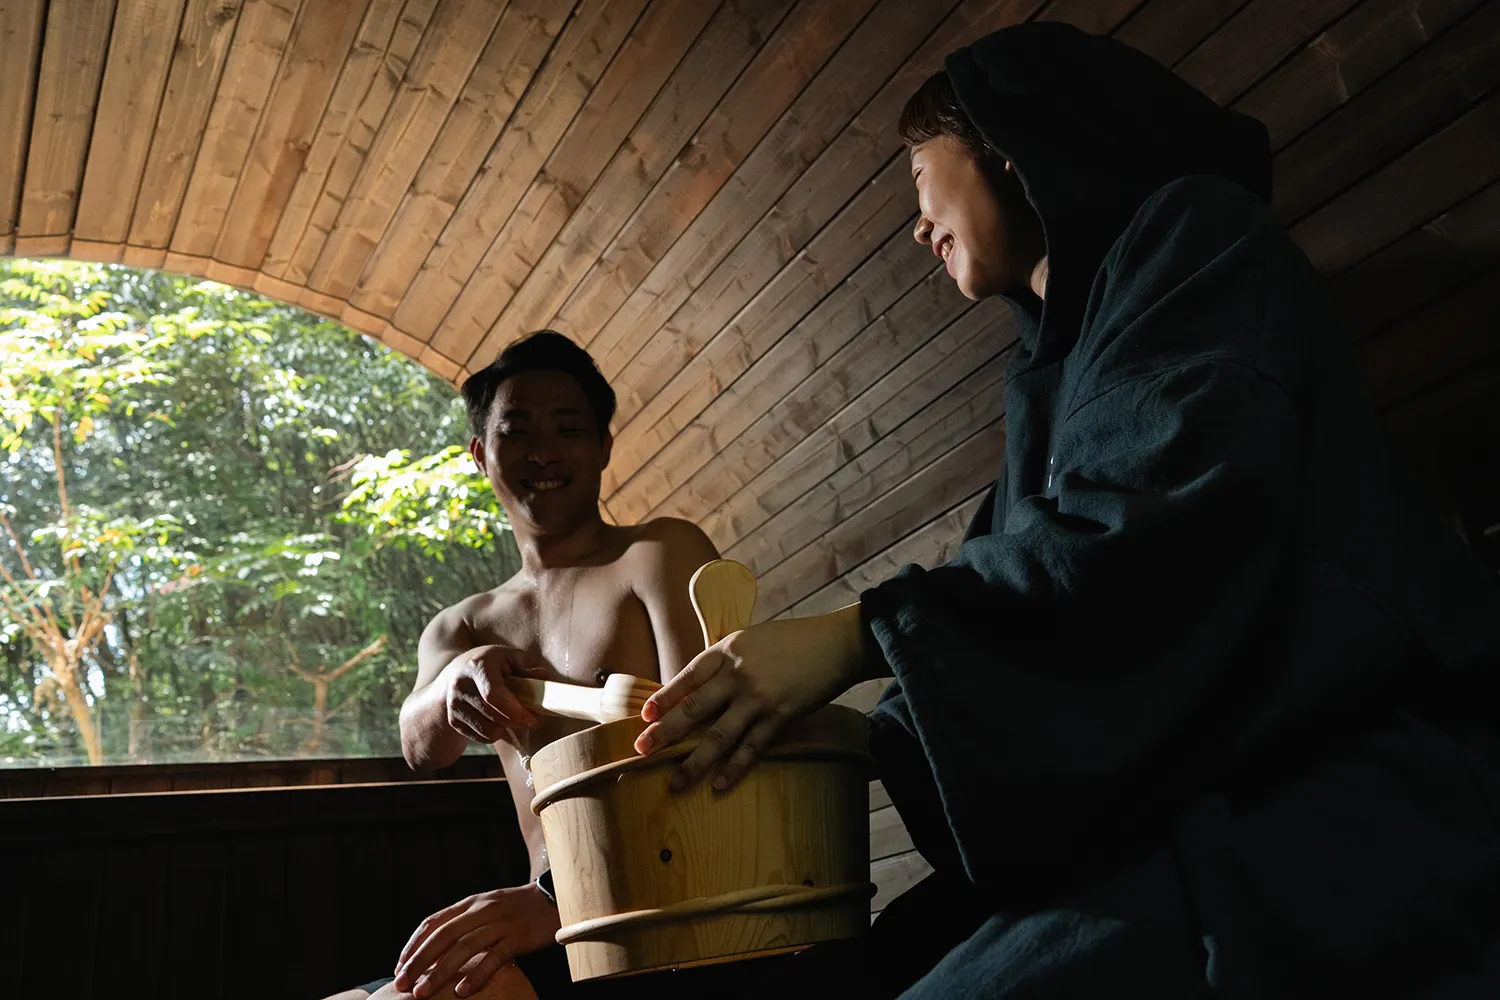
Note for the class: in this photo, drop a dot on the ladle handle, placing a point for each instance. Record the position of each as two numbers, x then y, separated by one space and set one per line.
570 701
723 593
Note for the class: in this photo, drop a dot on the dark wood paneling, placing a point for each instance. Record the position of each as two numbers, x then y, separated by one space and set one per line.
292 893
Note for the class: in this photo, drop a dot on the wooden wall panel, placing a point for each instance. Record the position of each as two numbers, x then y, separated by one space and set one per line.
21 53
522 39
198 61
581 53
135 76
74 47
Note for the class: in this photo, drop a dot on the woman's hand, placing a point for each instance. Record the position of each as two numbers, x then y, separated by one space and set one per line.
504 923
755 682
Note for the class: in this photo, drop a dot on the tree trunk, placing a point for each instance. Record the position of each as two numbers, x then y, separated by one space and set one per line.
320 711
140 725
66 673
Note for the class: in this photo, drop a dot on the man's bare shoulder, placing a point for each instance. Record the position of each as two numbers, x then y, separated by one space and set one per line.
671 539
484 612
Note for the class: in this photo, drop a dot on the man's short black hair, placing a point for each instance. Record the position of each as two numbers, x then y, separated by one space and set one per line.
545 350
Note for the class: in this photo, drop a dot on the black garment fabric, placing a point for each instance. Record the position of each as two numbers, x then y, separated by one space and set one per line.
1199 631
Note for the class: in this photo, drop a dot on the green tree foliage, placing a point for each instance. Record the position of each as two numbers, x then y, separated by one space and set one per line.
223 522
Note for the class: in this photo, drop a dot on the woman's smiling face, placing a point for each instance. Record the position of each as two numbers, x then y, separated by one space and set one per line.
984 230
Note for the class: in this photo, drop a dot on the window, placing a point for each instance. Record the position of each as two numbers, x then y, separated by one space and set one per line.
224 523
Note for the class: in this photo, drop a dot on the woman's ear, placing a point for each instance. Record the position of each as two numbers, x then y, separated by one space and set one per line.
476 451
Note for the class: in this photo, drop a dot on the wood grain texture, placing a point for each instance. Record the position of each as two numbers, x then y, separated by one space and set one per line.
135 77
298 100
580 54
667 251
20 53
452 44
523 273
1256 37
260 39
74 48
337 157
198 62
812 238
521 41
390 29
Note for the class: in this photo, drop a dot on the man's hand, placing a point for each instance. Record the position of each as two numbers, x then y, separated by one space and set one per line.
755 682
479 705
503 924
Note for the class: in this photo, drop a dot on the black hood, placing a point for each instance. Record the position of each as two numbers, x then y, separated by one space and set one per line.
1094 128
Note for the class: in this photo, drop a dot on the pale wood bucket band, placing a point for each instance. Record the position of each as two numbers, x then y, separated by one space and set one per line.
648 880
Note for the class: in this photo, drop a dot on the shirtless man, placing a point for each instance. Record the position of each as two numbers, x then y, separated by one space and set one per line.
590 599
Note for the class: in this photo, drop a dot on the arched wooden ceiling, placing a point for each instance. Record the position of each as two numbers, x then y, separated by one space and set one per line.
711 197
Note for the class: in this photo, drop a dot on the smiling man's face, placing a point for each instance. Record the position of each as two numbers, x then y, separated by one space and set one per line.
543 452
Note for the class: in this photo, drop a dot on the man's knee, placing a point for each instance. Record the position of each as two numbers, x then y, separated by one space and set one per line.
510 983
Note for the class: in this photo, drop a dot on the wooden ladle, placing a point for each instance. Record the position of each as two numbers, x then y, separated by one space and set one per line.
723 595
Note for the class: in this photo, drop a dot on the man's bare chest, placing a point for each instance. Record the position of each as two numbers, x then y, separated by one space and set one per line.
577 626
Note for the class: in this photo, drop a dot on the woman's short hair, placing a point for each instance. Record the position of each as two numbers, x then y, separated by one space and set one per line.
935 110
545 350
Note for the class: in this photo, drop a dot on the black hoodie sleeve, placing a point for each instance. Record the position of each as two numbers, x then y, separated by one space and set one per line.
1058 675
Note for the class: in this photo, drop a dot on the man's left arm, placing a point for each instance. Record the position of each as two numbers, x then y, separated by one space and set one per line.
669 554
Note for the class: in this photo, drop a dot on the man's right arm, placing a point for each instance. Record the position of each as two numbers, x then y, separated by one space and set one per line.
427 740
460 694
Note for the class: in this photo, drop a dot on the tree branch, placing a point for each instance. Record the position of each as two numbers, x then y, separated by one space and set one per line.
20 549
356 659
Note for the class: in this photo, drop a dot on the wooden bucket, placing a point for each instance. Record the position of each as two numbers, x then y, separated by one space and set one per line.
646 879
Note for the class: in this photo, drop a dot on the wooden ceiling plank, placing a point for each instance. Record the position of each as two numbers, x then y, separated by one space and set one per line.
377 60
931 544
678 359
560 87
1460 330
1425 264
804 405
665 384
455 38
898 267
1252 41
699 139
376 46
893 876
673 243
526 33
135 78
67 90
902 403
1437 173
1167 30
20 54
348 156
969 467
250 72
322 44
524 270
976 401
1344 61
198 60
652 408
1097 17
95 250
1412 101
898 414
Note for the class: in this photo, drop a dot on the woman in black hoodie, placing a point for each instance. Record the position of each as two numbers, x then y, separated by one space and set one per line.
1203 703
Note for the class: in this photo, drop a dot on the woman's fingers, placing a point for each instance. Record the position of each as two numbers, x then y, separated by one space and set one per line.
691 709
756 739
716 741
700 670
